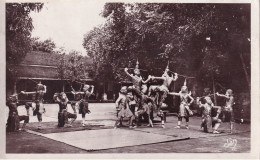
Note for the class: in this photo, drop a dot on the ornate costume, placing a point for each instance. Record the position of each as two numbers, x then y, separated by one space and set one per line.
13 121
207 120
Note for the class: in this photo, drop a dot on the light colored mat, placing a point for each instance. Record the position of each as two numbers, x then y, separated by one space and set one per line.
109 138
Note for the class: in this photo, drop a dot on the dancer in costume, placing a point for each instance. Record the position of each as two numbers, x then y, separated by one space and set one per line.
13 121
228 108
137 81
122 103
76 98
63 114
184 110
39 108
164 88
208 121
83 105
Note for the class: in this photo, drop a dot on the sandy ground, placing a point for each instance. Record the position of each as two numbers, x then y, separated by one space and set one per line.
102 116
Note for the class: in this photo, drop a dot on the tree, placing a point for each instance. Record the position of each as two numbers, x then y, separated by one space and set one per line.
47 45
201 40
18 32
72 67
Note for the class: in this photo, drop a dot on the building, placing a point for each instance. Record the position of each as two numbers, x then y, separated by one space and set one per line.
42 66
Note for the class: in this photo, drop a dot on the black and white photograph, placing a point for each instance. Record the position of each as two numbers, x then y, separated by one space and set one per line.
97 77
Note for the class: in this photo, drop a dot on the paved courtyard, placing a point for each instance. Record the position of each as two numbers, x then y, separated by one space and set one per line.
100 137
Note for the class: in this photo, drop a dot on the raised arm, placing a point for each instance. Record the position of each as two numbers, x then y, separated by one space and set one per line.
148 79
92 89
191 99
45 89
157 78
222 95
28 93
127 73
199 103
174 94
175 76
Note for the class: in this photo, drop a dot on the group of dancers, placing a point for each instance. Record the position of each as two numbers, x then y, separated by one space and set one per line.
80 101
137 100
134 102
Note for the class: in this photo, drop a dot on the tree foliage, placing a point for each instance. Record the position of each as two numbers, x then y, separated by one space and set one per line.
18 34
47 45
72 67
201 40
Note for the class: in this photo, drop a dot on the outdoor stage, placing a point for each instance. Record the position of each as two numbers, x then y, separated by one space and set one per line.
100 136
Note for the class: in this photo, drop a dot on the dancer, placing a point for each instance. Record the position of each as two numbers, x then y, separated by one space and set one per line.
147 104
122 104
39 108
76 98
207 120
63 114
83 105
228 108
137 81
13 121
184 111
164 88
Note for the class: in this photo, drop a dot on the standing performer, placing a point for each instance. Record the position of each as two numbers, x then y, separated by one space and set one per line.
184 110
83 106
164 88
39 108
13 121
63 114
122 104
228 109
76 98
132 102
207 120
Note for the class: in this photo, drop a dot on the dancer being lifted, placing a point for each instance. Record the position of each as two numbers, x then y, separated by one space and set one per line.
184 111
164 88
83 105
137 81
228 109
38 94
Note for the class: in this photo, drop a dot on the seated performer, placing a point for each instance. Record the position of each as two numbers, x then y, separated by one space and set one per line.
228 108
147 104
157 110
13 121
83 105
164 88
63 114
184 110
122 104
207 120
39 108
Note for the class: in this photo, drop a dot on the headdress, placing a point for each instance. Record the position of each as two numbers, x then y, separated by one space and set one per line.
86 87
137 66
123 90
184 88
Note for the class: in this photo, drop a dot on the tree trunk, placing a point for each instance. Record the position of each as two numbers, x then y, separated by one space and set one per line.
63 86
15 83
244 68
214 88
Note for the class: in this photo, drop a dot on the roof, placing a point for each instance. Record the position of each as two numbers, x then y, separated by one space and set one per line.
41 65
